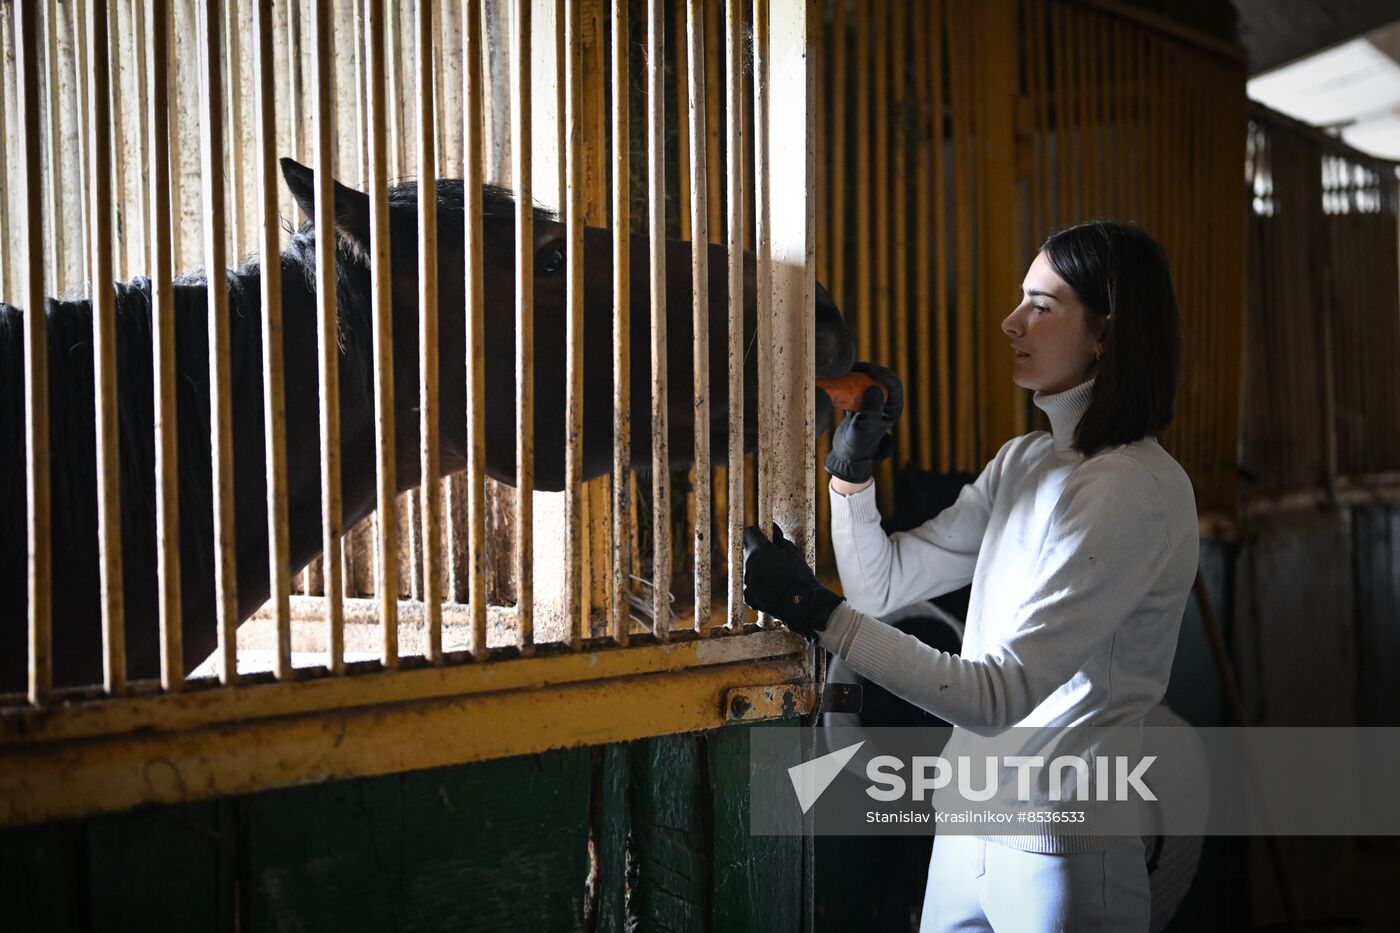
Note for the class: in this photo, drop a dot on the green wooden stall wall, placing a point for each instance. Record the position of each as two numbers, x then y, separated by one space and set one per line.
499 845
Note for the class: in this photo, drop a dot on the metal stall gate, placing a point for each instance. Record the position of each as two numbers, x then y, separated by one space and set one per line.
957 136
929 156
1322 394
336 368
1317 593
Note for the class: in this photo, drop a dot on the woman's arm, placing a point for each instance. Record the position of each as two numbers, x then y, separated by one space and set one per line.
843 488
881 573
1108 545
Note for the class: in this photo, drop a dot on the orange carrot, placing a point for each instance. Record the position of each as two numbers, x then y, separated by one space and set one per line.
848 392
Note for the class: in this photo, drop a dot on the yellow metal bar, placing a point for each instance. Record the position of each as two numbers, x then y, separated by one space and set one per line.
1113 162
53 134
746 162
700 302
137 13
658 691
713 166
524 321
839 93
172 671
1140 136
656 238
233 76
859 304
328 355
622 330
117 191
817 51
220 398
1063 180
104 351
386 582
6 260
879 307
942 352
411 529
87 715
560 86
294 85
36 358
764 244
1001 406
1074 61
879 310
961 103
1042 39
81 80
472 145
734 232
923 398
393 68
715 127
442 97
1122 88
1091 73
788 76
1158 127
361 105
816 48
1109 162
1029 136
429 423
576 601
770 701
179 248
681 65
897 345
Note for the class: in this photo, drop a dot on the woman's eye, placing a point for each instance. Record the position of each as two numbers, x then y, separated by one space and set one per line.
1042 309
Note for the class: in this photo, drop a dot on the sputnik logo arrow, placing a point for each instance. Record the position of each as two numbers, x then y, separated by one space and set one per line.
811 778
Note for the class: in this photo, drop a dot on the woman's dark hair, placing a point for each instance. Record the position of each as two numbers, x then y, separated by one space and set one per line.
1120 274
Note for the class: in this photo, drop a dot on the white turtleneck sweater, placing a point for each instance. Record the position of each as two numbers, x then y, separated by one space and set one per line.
1080 571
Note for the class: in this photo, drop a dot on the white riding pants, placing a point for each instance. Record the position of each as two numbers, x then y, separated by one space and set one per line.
978 885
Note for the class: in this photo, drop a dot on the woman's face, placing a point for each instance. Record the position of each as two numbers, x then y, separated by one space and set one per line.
1054 339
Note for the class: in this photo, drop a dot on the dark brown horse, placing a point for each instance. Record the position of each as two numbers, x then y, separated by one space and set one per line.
76 628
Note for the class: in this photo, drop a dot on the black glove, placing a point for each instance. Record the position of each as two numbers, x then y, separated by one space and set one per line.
863 437
778 581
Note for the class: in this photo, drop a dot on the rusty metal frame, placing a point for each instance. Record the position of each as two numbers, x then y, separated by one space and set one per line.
97 756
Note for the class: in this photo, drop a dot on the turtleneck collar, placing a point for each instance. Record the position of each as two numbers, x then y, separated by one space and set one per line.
1064 409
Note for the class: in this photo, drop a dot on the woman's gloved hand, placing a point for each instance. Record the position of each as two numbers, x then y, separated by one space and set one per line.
778 581
863 437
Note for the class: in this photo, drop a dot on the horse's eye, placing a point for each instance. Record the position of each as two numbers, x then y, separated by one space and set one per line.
554 262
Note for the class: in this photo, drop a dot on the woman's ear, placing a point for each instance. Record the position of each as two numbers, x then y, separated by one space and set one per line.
1099 325
1102 324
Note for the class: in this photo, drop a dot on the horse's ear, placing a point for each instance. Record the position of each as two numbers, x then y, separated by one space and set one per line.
351 206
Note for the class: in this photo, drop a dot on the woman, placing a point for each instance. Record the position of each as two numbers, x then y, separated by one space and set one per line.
1081 546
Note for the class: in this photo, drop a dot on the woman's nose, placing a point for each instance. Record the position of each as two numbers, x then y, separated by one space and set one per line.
1008 326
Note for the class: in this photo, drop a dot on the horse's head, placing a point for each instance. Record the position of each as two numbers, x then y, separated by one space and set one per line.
834 345
352 230
835 350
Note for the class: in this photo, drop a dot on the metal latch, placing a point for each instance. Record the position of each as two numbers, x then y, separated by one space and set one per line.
772 701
